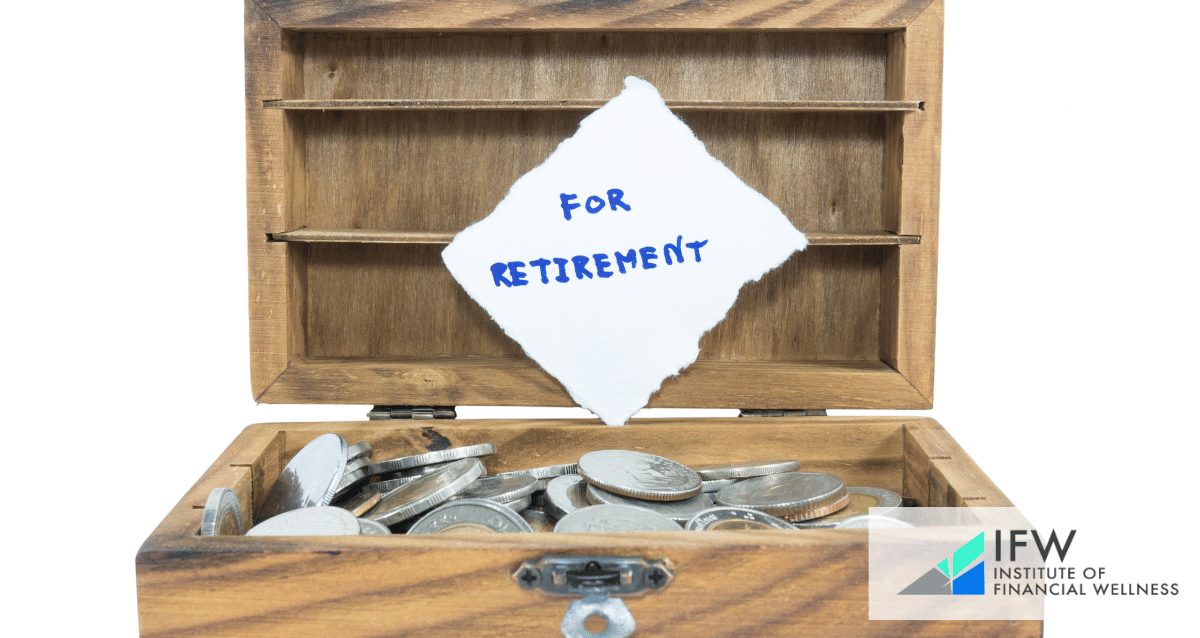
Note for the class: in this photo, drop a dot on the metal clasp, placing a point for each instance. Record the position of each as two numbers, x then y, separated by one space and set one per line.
596 579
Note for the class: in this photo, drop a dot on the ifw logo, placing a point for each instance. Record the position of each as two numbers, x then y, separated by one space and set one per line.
941 581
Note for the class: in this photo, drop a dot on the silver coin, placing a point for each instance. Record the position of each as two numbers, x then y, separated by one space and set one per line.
716 485
349 480
389 485
518 504
419 471
416 471
679 511
426 492
565 494
359 451
640 475
615 518
429 458
724 519
500 489
222 514
346 489
310 478
794 496
547 472
870 521
470 516
538 519
862 499
309 521
373 528
746 469
360 503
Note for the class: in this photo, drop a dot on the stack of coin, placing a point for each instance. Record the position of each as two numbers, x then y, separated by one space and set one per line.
631 480
449 492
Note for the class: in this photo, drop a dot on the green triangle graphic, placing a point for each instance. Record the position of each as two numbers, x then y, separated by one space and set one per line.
944 566
965 555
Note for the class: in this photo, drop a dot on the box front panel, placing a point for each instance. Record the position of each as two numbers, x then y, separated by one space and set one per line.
808 582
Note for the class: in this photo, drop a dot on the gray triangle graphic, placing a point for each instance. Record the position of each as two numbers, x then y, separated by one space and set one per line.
933 583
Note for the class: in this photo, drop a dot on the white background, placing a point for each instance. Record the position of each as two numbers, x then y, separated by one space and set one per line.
1066 354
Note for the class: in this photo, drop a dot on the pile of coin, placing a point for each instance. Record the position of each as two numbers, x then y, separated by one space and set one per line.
330 488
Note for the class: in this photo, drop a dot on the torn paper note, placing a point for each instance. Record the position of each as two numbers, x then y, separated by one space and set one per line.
608 262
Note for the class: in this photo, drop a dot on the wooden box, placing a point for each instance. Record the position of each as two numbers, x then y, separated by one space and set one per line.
378 129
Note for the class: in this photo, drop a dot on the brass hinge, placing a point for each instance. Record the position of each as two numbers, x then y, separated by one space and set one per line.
752 412
388 412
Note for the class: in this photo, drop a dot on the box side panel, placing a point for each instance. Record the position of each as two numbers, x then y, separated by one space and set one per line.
912 179
266 166
939 473
249 466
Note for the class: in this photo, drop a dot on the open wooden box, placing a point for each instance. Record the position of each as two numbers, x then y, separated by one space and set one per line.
374 134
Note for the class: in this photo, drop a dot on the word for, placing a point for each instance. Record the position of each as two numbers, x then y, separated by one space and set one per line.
512 273
593 204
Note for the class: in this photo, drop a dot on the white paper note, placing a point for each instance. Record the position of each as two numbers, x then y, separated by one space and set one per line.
608 262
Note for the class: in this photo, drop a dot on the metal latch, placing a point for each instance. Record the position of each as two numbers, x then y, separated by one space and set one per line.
596 579
386 412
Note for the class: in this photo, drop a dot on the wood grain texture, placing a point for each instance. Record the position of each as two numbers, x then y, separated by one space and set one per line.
609 15
443 171
743 584
911 199
585 105
383 301
821 304
387 300
593 66
266 184
249 466
519 381
808 582
366 303
939 473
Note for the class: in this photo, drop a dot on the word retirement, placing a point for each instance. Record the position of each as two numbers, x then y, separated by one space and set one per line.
512 273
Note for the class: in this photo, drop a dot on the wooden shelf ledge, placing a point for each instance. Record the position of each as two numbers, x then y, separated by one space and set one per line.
356 236
591 105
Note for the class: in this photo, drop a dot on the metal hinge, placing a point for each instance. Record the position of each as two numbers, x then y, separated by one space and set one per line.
749 412
386 412
597 579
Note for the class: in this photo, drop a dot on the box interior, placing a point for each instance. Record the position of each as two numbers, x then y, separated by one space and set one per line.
399 175
912 457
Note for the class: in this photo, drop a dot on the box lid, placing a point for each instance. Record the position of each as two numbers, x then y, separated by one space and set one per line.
374 135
